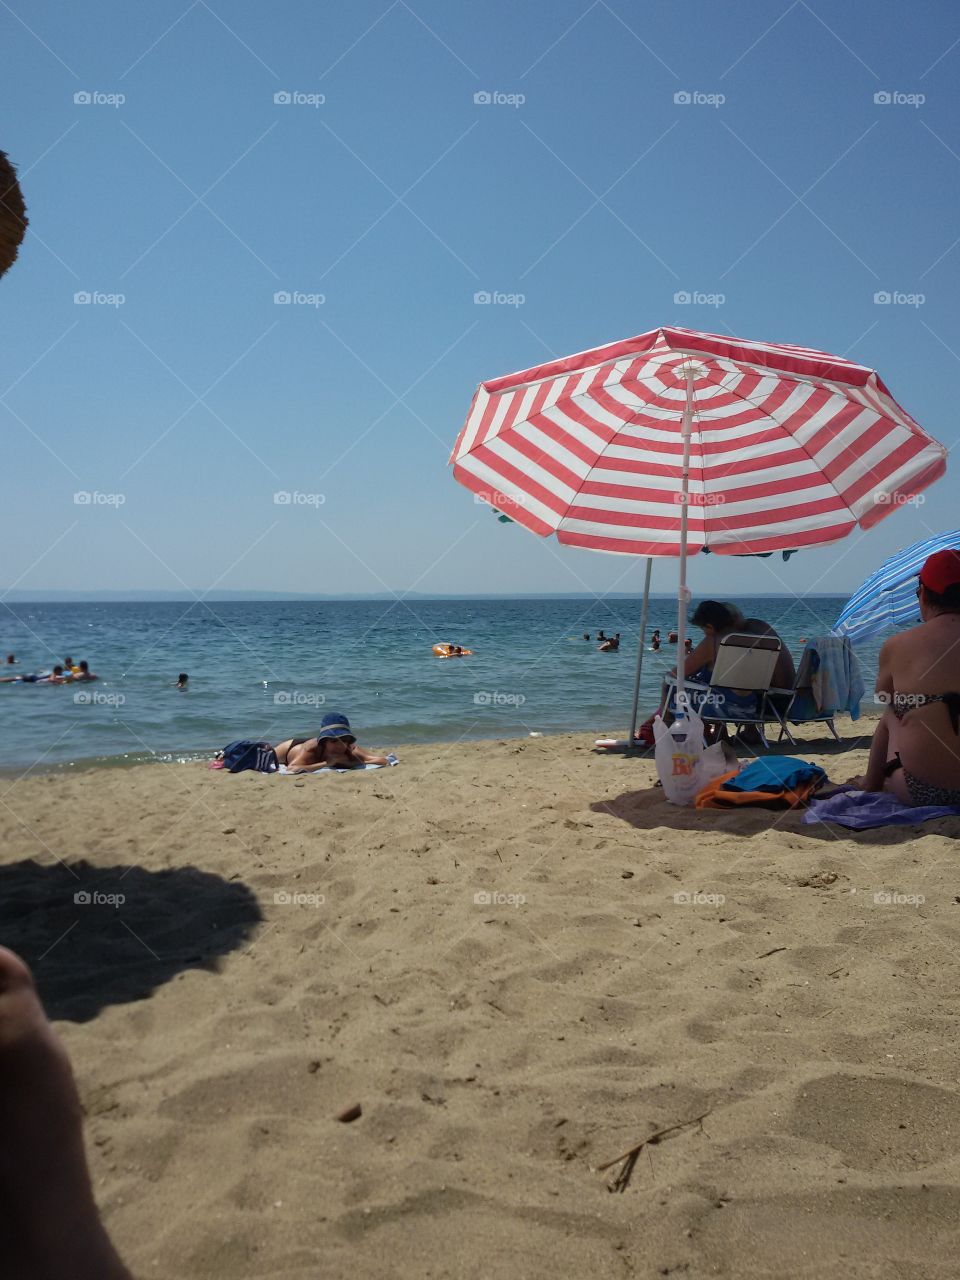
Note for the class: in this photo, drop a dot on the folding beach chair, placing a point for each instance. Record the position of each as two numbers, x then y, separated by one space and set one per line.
798 705
739 684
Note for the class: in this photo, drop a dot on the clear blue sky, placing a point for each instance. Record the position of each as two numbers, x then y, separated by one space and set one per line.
597 198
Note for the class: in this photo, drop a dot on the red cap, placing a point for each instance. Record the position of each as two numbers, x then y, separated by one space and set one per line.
941 571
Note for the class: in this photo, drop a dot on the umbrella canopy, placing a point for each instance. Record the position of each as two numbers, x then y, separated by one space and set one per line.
889 597
13 214
678 441
788 447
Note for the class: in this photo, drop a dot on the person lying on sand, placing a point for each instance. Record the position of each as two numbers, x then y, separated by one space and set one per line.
334 747
915 752
49 1224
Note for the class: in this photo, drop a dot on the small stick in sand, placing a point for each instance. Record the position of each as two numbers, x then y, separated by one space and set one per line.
773 952
629 1158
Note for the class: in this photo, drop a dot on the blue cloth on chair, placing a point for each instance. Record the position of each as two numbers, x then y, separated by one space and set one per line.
836 682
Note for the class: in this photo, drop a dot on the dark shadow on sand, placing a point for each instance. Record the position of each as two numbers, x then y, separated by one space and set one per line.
648 809
88 949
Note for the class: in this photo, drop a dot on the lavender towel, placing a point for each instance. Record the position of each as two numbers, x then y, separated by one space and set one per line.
862 809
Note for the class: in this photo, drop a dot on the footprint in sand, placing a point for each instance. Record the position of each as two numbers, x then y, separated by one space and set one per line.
883 1124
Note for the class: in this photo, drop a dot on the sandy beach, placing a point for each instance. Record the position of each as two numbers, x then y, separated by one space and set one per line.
289 947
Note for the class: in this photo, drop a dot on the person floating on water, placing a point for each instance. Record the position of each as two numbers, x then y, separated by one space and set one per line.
55 676
672 637
82 672
655 641
586 635
914 753
334 747
11 660
183 678
610 644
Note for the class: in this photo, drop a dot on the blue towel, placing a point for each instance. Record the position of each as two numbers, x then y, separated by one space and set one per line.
862 809
782 773
836 682
292 773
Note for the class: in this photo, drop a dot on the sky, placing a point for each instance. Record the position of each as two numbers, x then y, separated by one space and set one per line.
380 164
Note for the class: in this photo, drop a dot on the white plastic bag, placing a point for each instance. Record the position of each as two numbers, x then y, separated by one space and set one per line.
684 764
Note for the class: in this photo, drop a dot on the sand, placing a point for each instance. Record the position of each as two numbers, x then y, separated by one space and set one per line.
502 1049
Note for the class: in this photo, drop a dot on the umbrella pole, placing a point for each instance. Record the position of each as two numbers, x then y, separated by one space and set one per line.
682 592
631 736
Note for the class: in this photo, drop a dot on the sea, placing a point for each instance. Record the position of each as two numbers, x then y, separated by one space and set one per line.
271 670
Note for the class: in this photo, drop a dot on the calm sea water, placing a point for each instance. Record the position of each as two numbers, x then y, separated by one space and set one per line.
271 670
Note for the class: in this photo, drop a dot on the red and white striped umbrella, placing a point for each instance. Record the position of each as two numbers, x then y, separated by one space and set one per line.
789 447
678 441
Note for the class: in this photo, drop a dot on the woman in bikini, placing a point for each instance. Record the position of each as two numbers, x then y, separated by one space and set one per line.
915 753
334 747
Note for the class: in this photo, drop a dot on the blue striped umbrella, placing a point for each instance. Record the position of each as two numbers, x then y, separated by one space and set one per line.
889 597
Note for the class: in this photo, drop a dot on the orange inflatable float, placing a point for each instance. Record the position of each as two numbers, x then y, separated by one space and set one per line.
451 651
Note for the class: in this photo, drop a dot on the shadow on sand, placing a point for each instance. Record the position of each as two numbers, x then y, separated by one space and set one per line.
96 936
648 809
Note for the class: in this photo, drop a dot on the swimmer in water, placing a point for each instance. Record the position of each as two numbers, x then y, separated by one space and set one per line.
182 678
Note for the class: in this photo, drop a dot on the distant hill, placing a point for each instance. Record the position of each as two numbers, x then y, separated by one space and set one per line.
23 596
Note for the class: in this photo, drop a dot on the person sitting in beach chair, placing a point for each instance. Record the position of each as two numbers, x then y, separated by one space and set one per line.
915 752
717 619
334 747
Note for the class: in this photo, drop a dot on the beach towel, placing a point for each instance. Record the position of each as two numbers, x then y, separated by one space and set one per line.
780 782
862 809
292 773
836 681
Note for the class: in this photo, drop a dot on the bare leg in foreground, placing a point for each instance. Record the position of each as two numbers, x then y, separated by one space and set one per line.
49 1225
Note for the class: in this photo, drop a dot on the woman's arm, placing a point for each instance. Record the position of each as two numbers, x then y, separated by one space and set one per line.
367 757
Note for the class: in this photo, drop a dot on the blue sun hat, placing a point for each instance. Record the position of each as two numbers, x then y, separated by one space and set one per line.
335 725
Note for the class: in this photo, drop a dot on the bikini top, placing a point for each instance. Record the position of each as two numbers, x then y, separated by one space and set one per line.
904 702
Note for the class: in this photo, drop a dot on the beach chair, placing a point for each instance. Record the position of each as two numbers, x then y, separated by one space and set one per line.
798 705
737 693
